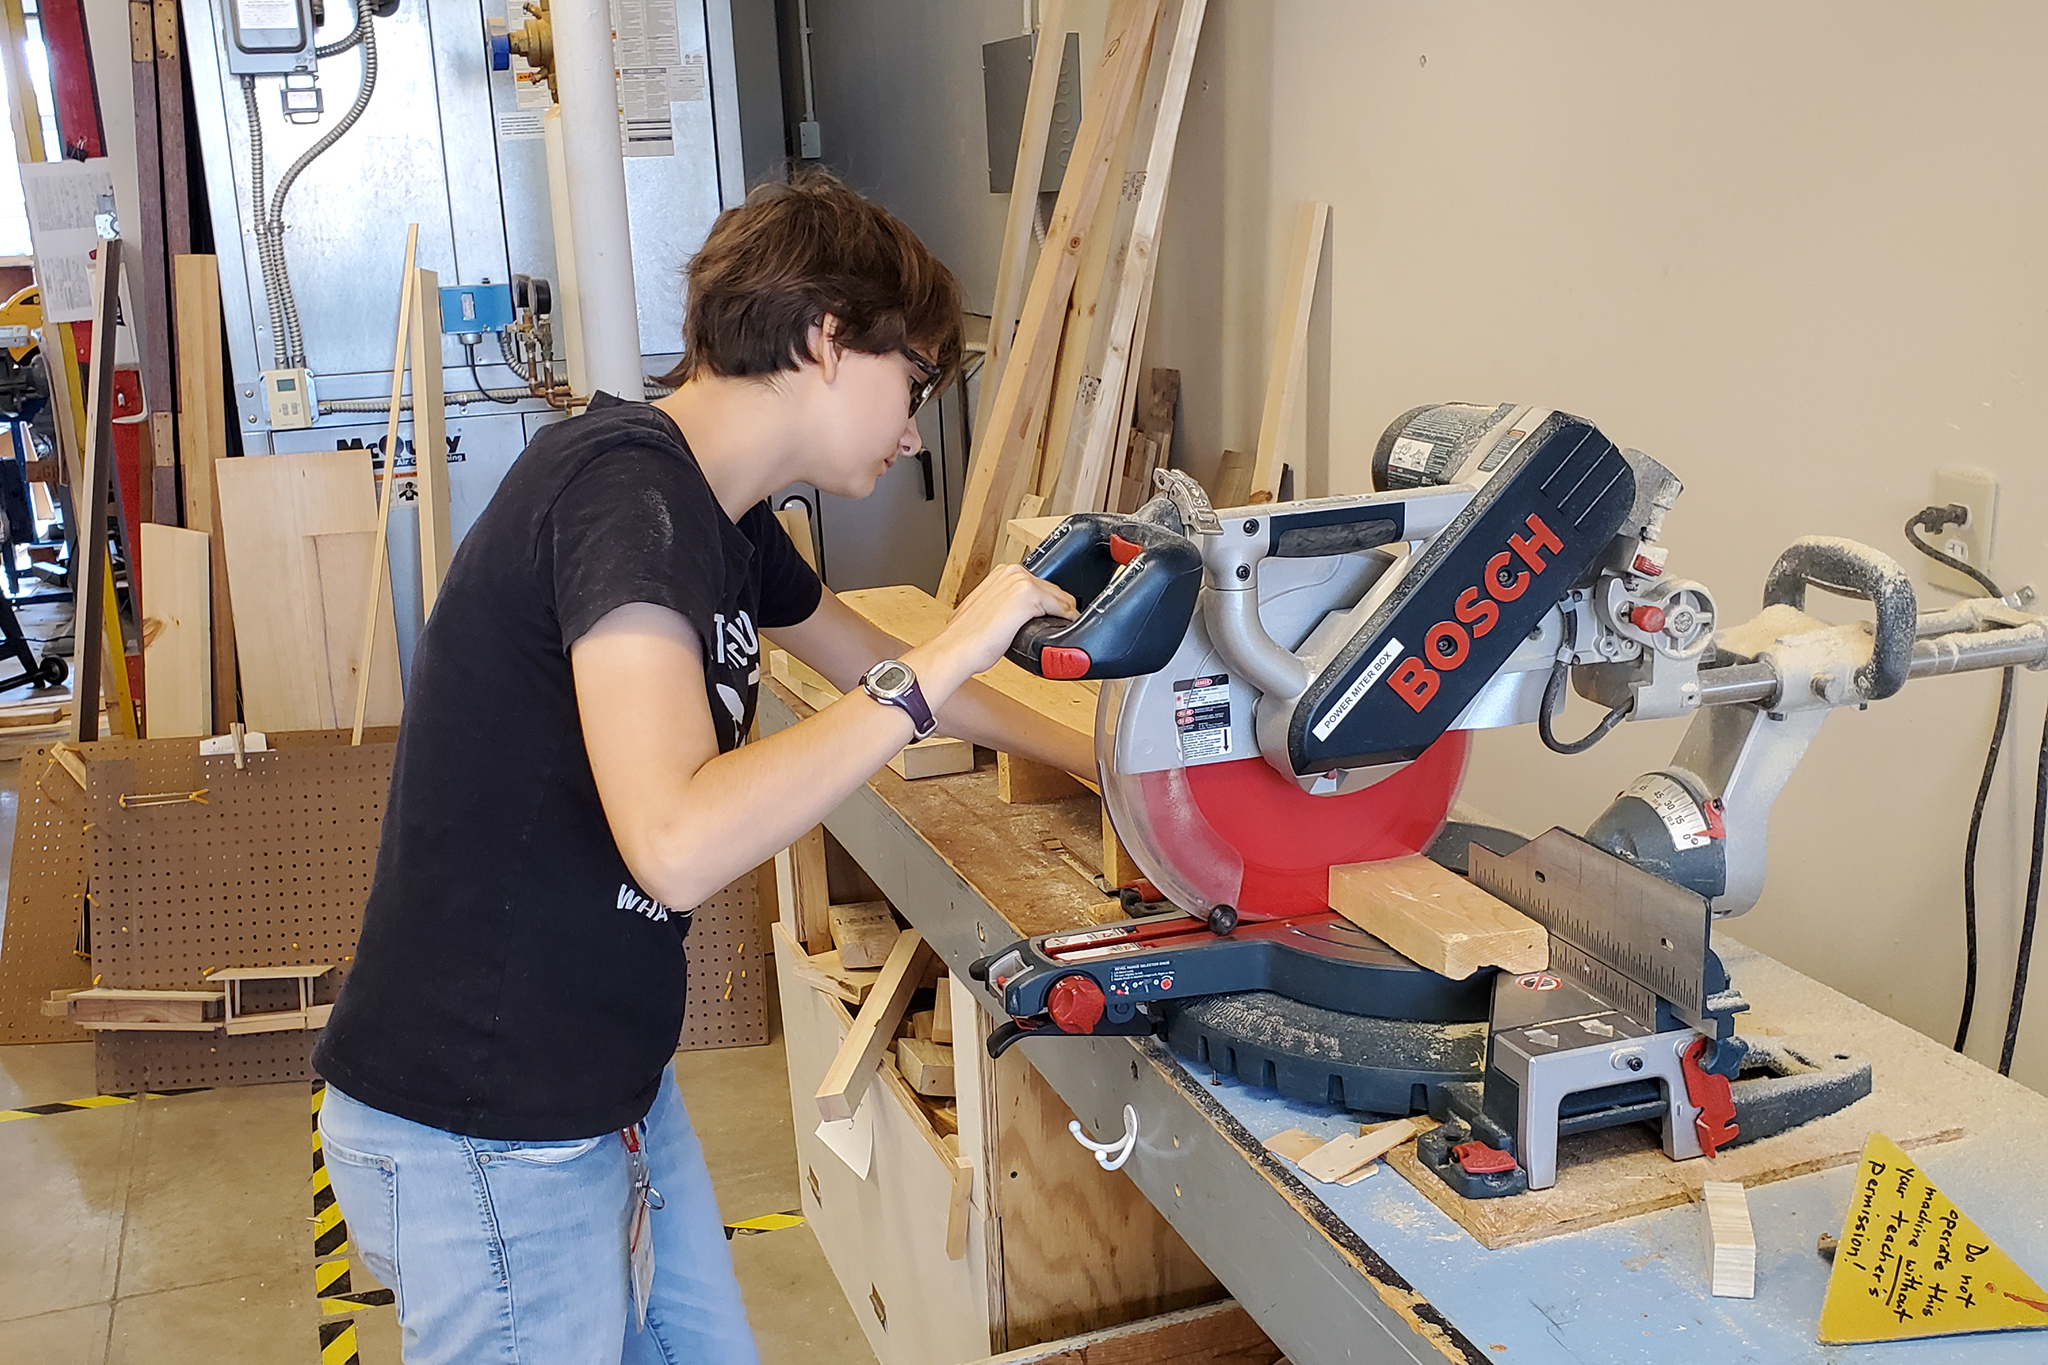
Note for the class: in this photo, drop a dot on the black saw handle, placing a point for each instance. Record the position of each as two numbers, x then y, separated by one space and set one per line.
1132 621
1848 569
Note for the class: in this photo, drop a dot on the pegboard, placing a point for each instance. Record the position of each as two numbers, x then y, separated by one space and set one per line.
727 1004
271 869
45 892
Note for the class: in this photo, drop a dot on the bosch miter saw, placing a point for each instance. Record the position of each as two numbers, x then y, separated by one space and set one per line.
1291 686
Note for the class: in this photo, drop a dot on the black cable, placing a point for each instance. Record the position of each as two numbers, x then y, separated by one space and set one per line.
2027 917
1553 704
469 350
1935 519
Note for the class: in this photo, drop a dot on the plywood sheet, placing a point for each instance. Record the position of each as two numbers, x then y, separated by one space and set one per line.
1922 1094
298 531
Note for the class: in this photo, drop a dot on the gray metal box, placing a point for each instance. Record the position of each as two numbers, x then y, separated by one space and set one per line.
1005 80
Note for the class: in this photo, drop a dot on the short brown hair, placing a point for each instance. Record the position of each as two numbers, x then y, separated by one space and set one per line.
796 250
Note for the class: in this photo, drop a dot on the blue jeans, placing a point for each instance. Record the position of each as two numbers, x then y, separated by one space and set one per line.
514 1253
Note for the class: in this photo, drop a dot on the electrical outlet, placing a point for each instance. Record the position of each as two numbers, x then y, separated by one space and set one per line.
1970 542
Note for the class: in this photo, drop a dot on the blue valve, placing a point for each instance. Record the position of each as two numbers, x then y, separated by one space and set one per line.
501 52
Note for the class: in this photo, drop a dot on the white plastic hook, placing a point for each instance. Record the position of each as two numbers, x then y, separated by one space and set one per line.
1110 1156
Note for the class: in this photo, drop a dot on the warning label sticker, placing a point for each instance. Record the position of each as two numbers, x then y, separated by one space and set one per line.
1201 715
1683 819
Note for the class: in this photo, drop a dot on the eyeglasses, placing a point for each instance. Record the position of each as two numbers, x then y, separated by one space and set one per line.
927 381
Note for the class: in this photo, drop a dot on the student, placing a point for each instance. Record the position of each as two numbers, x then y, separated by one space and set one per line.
572 776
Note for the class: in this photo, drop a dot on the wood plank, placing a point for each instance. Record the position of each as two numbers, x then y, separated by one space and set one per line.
1077 386
1039 97
1026 531
1731 1240
1220 1333
101 658
846 1080
1436 918
387 488
1102 437
927 1066
1027 374
863 932
202 439
914 617
1290 350
1118 869
298 532
800 875
959 1208
796 524
177 657
1021 782
429 438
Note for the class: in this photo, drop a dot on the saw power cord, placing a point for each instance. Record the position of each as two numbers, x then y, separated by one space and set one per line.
1553 701
1936 519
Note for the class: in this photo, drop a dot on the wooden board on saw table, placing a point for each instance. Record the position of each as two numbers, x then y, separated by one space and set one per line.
1603 1177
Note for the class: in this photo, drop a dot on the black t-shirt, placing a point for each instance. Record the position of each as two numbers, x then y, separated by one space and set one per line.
512 980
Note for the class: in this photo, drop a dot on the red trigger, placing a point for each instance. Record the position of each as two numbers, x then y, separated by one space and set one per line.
1123 551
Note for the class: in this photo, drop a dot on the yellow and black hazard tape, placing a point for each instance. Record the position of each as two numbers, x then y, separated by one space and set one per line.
337 1297
37 1111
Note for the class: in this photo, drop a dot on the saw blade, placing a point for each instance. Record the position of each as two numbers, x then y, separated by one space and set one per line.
1624 934
1287 840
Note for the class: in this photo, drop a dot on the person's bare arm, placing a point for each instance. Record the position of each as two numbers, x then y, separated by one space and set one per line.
688 819
842 644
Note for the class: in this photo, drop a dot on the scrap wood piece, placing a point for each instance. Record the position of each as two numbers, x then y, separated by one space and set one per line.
1089 461
429 439
864 932
935 756
803 891
927 1066
1294 1144
1731 1240
1290 350
823 972
1347 1153
1436 918
1027 374
958 1202
846 1080
1021 782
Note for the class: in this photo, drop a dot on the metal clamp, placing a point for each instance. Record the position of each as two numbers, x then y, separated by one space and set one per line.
1110 1156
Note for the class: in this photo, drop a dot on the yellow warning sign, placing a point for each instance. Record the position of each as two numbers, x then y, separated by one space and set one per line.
1911 1264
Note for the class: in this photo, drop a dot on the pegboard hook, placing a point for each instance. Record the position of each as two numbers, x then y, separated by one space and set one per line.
1110 1156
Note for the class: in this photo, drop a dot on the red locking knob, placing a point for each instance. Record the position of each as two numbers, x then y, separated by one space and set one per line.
1075 1004
1647 619
1124 551
1478 1158
1064 662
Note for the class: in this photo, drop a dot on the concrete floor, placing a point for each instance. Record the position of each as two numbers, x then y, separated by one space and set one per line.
178 1229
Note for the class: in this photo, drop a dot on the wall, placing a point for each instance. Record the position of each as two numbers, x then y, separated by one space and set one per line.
1790 251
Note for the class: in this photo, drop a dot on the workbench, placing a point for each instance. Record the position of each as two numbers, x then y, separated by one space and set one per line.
1375 1271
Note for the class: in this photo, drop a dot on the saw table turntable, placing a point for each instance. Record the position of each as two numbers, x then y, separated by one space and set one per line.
1290 687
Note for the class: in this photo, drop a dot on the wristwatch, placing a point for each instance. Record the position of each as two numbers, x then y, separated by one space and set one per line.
892 683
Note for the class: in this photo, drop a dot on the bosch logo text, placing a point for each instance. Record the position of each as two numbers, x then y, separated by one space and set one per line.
1447 643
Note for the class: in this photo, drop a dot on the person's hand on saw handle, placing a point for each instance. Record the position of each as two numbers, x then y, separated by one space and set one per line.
982 627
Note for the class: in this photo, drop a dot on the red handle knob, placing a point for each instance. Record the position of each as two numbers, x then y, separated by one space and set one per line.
1647 619
1076 1004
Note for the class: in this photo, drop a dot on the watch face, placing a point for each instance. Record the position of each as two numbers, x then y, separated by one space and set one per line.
891 678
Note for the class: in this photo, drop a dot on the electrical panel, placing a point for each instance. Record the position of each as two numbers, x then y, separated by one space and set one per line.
266 37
